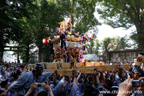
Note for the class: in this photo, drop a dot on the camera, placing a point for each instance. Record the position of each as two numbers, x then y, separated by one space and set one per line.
137 83
39 84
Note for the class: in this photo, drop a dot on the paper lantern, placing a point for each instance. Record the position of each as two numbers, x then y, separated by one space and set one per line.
44 41
90 36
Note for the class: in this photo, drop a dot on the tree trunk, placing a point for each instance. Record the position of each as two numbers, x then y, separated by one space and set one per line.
1 46
141 43
40 54
1 52
27 53
140 32
72 17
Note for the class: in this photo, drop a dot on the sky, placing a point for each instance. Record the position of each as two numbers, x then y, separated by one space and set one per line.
108 31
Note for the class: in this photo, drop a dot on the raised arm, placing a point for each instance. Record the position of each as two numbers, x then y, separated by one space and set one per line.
79 75
47 87
75 89
32 88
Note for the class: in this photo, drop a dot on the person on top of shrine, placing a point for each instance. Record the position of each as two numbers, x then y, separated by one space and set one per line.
140 60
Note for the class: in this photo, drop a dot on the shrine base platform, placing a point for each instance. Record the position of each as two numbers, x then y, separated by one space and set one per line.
66 68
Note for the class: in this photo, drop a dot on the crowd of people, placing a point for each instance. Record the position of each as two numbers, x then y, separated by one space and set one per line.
17 80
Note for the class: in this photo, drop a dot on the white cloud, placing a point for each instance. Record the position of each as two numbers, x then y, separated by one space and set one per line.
107 31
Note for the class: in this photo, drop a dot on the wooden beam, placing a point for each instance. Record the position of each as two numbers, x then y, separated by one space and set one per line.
51 67
65 72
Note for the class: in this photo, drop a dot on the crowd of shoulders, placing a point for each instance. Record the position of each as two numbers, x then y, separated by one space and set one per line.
17 80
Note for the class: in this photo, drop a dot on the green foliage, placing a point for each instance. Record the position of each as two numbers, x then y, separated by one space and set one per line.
117 12
106 44
124 13
92 47
44 23
115 43
83 15
39 25
123 43
81 12
11 11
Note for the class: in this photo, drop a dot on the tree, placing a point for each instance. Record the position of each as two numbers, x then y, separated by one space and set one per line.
106 44
26 41
90 47
124 13
10 29
97 45
115 44
43 24
123 43
81 13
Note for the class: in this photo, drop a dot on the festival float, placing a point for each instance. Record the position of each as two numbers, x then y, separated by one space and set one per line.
68 47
